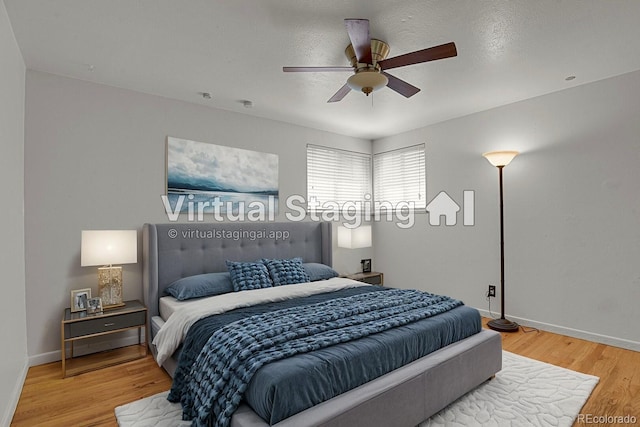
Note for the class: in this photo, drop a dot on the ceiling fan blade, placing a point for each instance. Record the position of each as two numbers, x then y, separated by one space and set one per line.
341 93
358 30
314 69
400 86
447 50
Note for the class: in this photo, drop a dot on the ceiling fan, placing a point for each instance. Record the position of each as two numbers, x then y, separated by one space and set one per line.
368 58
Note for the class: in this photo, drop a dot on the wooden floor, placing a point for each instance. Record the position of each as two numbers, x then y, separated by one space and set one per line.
89 399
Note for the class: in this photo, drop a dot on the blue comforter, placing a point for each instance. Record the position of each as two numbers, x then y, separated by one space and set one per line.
225 351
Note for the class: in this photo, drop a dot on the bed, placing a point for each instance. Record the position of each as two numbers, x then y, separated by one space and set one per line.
404 396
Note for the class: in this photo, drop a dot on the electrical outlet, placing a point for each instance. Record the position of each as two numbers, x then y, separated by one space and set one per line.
492 291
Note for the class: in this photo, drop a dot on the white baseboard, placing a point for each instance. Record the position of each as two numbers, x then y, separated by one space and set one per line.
41 359
575 333
84 347
12 404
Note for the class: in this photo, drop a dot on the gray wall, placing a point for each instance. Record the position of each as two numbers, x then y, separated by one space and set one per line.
95 159
95 155
572 212
13 330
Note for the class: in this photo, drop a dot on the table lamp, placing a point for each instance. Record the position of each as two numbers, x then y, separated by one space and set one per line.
354 238
105 248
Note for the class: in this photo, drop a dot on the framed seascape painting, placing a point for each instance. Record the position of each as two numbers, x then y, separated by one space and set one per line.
209 178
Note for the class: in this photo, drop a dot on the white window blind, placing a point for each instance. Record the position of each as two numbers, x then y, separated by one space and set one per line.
335 177
400 176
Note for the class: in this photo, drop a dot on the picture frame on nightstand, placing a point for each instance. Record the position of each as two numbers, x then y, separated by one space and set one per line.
80 299
366 265
94 305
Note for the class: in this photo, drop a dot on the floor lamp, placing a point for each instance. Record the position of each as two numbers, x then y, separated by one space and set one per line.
500 159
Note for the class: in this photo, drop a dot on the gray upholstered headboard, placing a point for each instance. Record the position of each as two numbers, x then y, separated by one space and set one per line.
173 251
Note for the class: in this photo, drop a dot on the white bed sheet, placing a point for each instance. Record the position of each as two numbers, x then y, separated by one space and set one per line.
168 305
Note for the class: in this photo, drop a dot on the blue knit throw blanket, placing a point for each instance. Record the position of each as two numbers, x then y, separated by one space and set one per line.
211 392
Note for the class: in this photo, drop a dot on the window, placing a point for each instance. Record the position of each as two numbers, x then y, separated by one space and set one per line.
400 176
335 177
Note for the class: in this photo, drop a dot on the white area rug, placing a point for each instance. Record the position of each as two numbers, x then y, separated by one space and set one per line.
525 393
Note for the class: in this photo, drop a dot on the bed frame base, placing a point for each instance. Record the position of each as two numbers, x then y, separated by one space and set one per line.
406 396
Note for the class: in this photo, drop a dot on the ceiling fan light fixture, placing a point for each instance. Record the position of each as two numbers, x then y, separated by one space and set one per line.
367 81
368 59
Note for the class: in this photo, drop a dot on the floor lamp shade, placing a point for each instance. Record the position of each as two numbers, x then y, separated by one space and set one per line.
500 159
105 248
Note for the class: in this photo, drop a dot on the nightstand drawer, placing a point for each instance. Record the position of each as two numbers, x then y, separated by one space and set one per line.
370 277
104 324
372 280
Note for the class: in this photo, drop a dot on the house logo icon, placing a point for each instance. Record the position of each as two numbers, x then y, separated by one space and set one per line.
443 205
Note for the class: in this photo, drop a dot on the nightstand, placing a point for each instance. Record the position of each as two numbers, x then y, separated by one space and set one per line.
80 325
372 278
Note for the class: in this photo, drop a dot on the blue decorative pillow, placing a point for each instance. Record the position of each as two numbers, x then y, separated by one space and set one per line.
246 276
286 271
317 271
201 285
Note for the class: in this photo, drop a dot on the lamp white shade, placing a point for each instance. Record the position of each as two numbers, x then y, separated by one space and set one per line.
354 238
106 247
500 158
367 81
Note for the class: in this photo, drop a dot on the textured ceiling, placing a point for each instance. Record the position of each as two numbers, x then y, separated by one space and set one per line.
235 49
